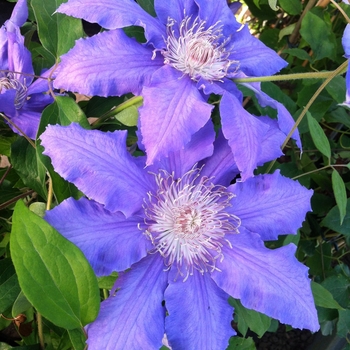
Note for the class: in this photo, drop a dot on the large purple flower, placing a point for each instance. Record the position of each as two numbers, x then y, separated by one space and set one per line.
192 49
346 46
21 99
188 238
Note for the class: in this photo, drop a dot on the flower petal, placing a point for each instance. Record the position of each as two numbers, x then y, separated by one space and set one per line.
169 121
108 240
285 120
133 319
221 166
218 11
98 164
177 11
254 57
199 313
273 282
244 133
346 41
270 205
111 14
19 13
107 64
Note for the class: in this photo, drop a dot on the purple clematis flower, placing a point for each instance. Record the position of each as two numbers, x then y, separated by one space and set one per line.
193 48
21 99
188 238
346 46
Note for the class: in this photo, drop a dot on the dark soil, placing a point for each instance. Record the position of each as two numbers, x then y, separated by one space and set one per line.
294 339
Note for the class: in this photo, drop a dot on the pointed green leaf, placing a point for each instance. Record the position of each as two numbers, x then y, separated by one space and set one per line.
246 318
238 343
273 4
52 272
318 33
78 338
28 166
9 287
57 32
318 136
63 111
323 297
339 194
343 326
332 220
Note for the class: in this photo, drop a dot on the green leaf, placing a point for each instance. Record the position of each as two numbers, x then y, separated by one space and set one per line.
318 33
318 136
343 326
292 7
246 318
9 287
63 111
273 4
30 169
57 32
337 89
339 194
128 116
52 272
20 305
5 145
148 6
338 285
78 338
332 220
323 297
299 53
238 343
107 282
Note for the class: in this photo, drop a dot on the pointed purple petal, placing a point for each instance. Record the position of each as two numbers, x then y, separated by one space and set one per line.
218 11
285 120
19 13
107 64
98 164
108 240
273 282
200 147
199 313
346 41
169 121
177 10
271 144
111 14
244 133
133 319
271 205
221 166
254 57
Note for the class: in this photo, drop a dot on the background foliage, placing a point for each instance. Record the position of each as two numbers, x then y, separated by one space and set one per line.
51 299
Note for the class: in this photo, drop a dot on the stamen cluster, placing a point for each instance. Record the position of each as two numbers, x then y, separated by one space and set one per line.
187 221
10 82
197 51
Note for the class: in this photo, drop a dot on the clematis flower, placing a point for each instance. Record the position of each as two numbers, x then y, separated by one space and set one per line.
188 238
21 99
192 49
346 46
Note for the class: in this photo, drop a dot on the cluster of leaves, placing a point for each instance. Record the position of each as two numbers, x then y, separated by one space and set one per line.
48 291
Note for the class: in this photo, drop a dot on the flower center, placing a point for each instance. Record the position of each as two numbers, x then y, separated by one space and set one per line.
187 221
10 82
197 51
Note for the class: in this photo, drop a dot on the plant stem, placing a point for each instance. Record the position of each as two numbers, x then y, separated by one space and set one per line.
40 330
115 110
315 75
303 113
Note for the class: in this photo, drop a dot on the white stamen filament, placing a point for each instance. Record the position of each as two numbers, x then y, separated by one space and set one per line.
10 82
187 221
197 51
